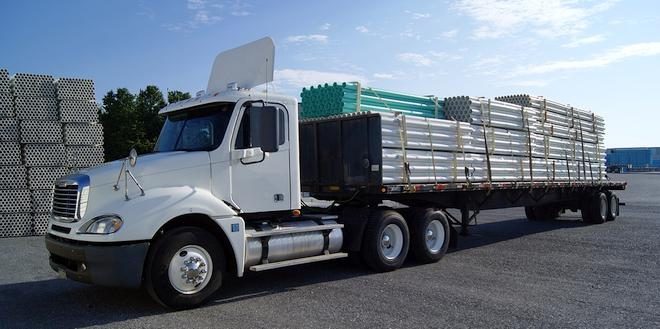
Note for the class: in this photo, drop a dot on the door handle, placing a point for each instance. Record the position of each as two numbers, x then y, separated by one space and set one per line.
249 156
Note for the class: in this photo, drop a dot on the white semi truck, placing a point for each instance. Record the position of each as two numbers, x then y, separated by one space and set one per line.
221 195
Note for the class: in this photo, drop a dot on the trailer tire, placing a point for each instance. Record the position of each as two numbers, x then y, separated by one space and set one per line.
386 241
529 213
184 247
546 212
429 235
595 209
612 206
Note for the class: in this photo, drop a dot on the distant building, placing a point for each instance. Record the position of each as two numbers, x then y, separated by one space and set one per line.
632 159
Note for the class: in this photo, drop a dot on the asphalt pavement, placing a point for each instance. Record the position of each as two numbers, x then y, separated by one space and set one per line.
508 273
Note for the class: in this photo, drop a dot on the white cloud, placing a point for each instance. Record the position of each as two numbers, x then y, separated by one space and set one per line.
548 18
529 83
384 76
320 38
204 17
449 34
297 79
415 15
241 13
203 12
325 27
362 29
415 59
609 57
196 4
584 41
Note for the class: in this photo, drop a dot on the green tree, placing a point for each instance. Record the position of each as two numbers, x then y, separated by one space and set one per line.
132 121
174 96
120 123
148 102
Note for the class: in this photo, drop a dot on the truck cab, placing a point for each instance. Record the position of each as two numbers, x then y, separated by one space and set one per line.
174 220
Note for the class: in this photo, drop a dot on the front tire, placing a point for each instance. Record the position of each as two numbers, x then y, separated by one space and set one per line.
429 235
184 268
386 241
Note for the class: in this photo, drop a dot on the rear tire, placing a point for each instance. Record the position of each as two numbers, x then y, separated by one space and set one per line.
190 252
529 213
429 235
386 241
612 206
595 208
545 212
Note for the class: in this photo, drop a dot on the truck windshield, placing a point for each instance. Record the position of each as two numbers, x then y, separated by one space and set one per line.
196 129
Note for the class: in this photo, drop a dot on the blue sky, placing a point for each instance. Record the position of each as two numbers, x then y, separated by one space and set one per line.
599 55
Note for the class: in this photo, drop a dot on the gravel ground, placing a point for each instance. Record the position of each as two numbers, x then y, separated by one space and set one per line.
509 273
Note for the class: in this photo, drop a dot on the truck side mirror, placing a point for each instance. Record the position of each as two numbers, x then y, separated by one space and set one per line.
268 128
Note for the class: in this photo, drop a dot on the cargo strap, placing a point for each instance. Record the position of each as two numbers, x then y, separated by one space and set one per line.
435 176
381 100
600 170
593 122
459 142
568 168
529 144
436 106
484 127
358 96
546 153
403 136
584 170
554 174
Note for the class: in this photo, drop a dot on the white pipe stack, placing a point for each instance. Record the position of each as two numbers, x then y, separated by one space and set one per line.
48 128
518 143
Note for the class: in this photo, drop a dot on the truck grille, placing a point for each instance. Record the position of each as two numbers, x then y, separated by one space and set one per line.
65 201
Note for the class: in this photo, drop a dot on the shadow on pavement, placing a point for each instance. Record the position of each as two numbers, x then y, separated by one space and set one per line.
62 303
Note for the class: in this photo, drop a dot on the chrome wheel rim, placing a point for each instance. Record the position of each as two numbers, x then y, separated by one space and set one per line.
190 270
603 207
391 241
434 236
613 206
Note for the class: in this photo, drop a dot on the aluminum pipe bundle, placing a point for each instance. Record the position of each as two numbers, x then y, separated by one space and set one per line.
14 201
4 82
42 200
10 154
16 224
8 130
482 111
463 167
44 155
32 108
558 113
13 177
6 105
33 85
78 111
36 132
83 134
40 178
75 89
84 156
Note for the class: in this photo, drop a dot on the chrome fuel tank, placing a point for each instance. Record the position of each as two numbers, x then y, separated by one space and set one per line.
291 246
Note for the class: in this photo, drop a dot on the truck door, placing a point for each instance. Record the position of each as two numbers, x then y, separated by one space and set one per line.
260 181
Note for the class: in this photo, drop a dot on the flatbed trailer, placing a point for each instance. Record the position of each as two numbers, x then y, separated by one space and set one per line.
341 155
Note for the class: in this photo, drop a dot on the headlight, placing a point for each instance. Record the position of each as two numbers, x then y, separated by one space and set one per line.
105 224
